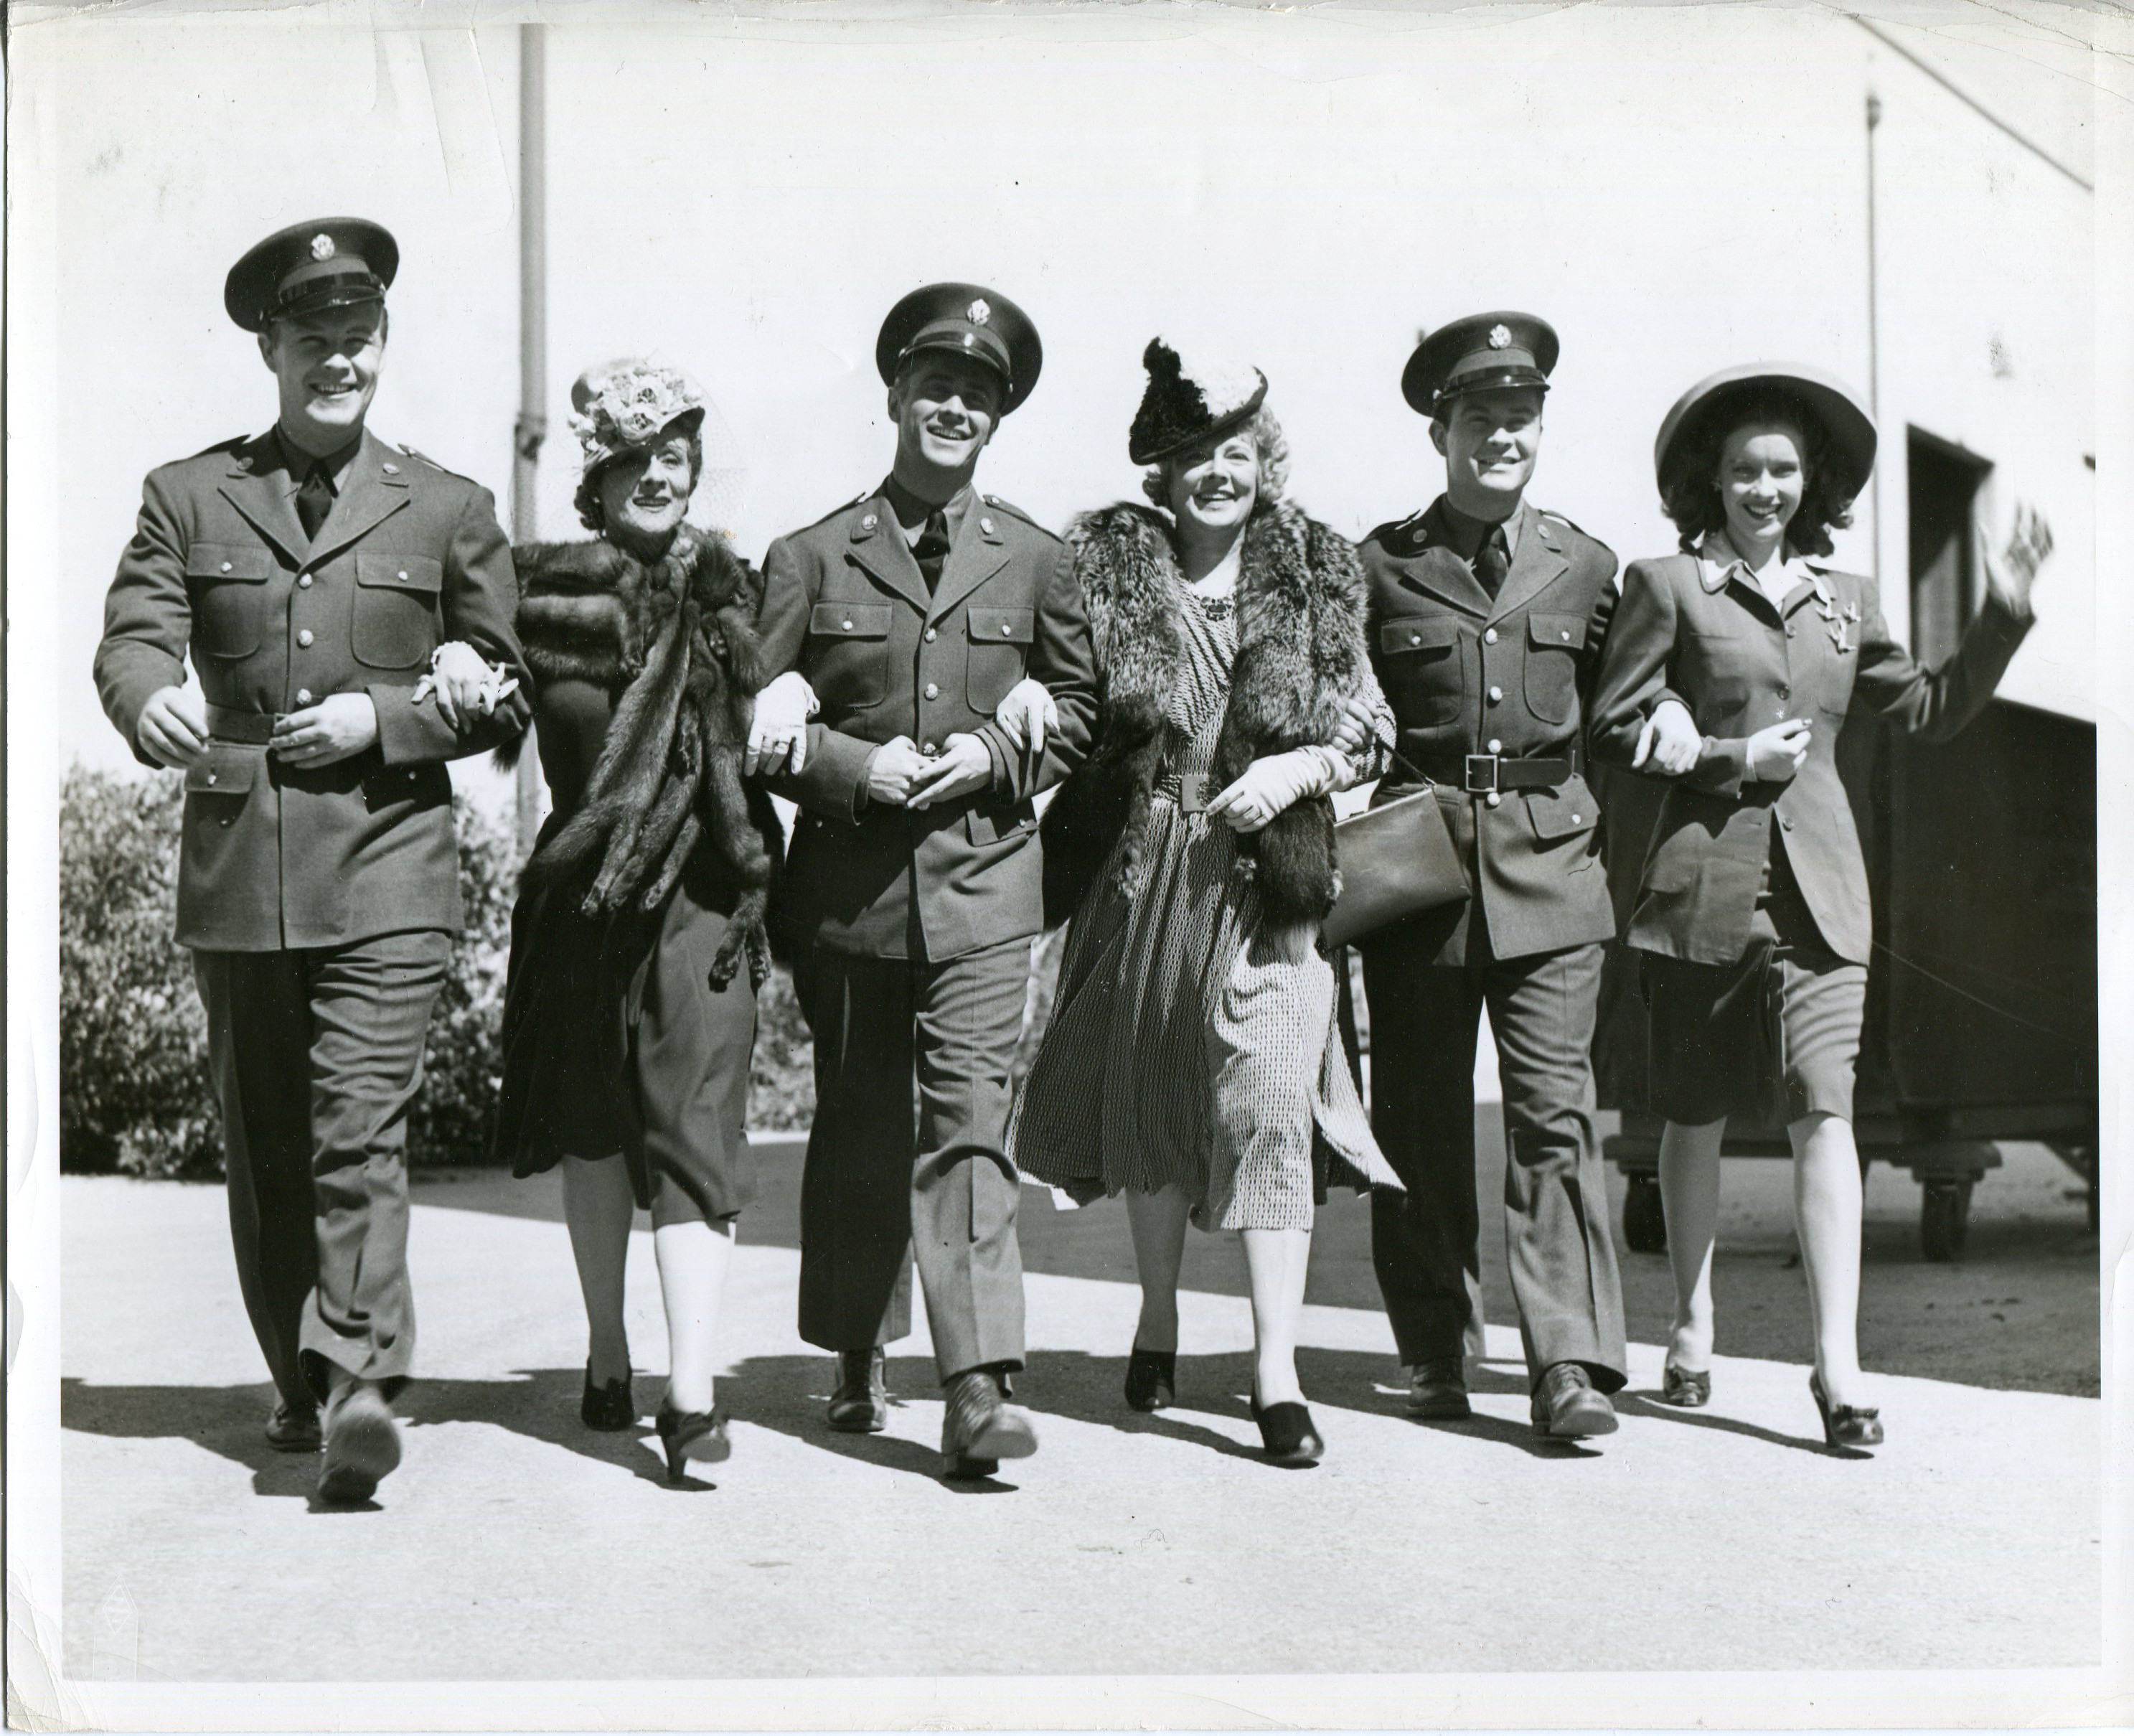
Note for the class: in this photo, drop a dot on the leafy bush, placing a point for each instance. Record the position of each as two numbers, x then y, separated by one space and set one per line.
134 1092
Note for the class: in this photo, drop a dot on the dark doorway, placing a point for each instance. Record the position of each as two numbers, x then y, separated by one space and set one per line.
1944 491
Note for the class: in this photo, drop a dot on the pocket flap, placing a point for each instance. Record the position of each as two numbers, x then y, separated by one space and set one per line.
1556 632
1001 627
228 770
1564 813
1418 633
399 572
247 562
989 822
850 619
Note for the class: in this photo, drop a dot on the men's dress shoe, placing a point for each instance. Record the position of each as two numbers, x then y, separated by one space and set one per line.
979 1429
1152 1379
294 1428
1687 1389
607 1407
692 1437
1845 1425
363 1442
1438 1390
1566 1406
860 1404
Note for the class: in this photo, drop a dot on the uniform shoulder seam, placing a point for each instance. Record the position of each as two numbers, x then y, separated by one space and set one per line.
1015 511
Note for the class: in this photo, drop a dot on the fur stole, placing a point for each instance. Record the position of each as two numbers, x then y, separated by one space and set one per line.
675 640
1301 606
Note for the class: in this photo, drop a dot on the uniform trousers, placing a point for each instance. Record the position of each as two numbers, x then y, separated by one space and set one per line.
1425 1243
317 1055
882 1184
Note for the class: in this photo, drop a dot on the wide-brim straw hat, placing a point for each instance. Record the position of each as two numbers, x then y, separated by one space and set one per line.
1835 406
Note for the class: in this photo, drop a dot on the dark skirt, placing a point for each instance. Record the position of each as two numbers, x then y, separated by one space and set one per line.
1774 1035
615 1046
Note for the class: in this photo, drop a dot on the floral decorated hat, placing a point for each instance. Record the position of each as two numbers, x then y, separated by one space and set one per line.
626 406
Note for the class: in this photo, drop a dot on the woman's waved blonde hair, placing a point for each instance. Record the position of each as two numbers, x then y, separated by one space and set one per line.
1268 441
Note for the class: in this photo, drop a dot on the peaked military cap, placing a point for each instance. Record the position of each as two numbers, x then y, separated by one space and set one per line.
330 262
965 319
1823 397
1485 352
1189 400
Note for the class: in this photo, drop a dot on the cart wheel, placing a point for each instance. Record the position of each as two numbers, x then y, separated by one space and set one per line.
1944 1216
1644 1218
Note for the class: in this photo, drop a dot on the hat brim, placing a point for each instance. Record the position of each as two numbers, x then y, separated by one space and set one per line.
1845 421
1221 428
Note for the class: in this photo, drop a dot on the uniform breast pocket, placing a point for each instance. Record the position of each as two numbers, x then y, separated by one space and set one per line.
1554 643
228 582
999 652
396 609
1425 669
848 646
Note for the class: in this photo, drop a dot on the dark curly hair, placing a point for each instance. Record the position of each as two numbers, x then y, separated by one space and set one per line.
1689 486
587 498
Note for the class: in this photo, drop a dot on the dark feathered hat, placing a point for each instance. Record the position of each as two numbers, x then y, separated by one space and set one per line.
1187 403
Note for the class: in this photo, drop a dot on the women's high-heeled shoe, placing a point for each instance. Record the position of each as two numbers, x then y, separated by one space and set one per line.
1286 1434
607 1407
1687 1389
692 1437
1845 1425
1152 1379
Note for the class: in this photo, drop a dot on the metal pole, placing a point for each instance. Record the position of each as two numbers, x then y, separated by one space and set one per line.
1874 340
533 423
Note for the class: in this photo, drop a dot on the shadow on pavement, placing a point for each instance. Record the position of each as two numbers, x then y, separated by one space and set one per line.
227 1420
1647 1405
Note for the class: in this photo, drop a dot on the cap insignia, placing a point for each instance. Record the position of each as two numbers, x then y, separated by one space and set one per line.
979 311
1500 337
322 247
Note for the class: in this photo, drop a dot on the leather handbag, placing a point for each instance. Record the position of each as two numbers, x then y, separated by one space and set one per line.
1394 861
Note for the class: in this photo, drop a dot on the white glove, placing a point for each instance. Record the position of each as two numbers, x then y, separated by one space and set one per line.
1026 714
464 682
1267 786
778 726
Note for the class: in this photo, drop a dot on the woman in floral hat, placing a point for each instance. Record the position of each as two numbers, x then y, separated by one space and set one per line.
638 939
1192 1062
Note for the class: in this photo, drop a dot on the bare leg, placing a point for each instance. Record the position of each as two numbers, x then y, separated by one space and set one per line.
1158 1223
1275 1262
1827 1207
1689 1194
693 1258
597 1204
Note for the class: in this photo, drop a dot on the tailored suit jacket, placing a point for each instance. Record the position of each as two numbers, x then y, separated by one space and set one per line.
410 555
1691 628
1468 674
845 603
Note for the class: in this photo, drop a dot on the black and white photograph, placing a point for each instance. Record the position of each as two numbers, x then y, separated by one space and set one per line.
1158 864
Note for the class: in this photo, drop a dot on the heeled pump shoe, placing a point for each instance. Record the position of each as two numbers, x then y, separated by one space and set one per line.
1687 1389
1845 1425
1287 1435
692 1437
607 1406
1152 1379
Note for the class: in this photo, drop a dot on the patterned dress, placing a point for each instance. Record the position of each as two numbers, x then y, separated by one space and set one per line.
1190 1045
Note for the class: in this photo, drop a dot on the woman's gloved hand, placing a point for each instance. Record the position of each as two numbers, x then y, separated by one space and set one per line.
1670 741
1026 714
778 726
1267 786
1777 753
464 684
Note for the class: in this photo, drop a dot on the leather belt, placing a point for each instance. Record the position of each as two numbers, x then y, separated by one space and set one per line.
1485 773
252 728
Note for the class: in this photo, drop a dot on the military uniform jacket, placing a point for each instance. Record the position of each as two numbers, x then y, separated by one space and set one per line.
410 555
845 603
1691 628
1466 675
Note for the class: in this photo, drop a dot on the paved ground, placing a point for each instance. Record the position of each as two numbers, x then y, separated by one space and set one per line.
514 1544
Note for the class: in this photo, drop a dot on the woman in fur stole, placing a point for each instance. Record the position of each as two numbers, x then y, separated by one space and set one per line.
638 941
1192 1062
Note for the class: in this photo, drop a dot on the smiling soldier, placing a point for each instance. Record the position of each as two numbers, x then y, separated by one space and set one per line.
906 620
1487 618
312 574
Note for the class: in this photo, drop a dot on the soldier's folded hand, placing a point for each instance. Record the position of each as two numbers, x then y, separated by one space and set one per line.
1670 740
892 769
173 726
1026 714
339 726
964 767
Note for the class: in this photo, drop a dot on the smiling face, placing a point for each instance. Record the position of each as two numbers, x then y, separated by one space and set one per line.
1213 485
1489 441
644 493
946 407
325 364
1761 479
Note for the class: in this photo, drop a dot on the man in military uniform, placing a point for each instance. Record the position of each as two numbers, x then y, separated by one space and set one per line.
1487 618
912 884
310 573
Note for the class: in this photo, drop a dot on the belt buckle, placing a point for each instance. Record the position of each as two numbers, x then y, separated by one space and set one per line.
1481 767
1192 792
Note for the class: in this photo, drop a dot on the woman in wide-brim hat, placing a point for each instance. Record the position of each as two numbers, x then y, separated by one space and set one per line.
639 939
1747 649
1191 1061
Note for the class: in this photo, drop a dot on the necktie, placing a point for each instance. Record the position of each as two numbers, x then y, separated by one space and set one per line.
932 549
314 499
1493 560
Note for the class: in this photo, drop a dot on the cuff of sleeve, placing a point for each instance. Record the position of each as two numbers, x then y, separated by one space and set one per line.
1722 767
1996 617
406 735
